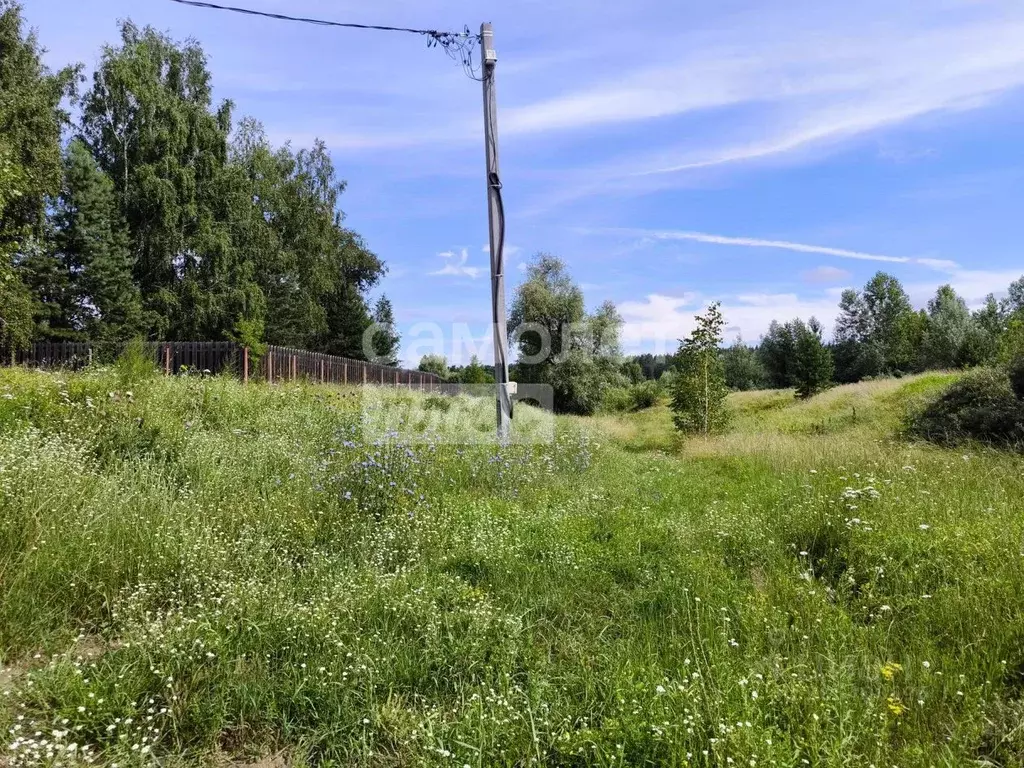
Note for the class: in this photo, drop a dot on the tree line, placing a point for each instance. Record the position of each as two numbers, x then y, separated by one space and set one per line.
878 333
132 205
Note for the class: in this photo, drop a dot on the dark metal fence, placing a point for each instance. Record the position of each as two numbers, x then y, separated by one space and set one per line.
277 365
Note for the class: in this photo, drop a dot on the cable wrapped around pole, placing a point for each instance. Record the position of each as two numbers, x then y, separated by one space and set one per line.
496 221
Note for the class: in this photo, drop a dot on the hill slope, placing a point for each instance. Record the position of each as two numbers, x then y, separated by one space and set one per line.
195 570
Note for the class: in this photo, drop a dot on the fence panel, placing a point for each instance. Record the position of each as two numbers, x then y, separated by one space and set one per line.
277 365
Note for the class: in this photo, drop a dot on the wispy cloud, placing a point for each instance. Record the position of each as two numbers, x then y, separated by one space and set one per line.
456 265
754 242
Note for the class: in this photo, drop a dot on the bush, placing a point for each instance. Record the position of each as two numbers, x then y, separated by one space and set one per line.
637 397
981 406
1016 369
617 399
644 395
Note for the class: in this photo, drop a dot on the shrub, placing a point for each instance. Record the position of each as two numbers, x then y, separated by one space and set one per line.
1016 369
617 399
644 395
980 406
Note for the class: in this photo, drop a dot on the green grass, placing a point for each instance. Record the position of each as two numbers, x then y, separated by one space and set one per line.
201 572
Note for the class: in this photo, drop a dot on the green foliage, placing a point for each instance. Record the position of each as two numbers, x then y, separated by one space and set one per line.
743 367
645 395
92 242
698 396
436 364
653 366
635 397
32 118
632 371
812 361
981 406
616 400
579 382
475 373
135 364
385 340
221 550
559 344
1011 343
1016 372
776 354
947 331
876 330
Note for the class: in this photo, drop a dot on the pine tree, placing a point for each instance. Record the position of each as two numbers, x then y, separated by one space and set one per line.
93 242
812 364
698 398
385 340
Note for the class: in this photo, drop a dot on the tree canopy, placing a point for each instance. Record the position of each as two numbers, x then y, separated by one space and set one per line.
156 215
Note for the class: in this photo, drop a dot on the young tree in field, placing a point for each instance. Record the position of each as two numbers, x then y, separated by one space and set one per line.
385 338
698 397
812 362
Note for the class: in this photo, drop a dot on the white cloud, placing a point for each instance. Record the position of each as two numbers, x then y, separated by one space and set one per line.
754 242
657 323
456 265
826 274
883 71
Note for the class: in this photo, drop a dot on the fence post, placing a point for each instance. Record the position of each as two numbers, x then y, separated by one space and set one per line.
344 373
245 365
293 367
167 359
321 371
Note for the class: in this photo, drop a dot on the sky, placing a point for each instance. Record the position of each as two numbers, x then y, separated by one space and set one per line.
762 153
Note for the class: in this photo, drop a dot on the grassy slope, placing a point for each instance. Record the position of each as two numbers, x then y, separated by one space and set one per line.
191 554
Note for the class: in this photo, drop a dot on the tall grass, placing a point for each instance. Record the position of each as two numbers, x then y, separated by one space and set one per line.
200 571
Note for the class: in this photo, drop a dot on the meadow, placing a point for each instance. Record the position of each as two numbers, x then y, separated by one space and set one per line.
193 571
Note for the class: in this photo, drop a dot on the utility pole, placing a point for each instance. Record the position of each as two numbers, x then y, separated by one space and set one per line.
496 220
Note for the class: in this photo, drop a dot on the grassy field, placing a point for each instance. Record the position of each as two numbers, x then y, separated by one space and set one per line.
192 571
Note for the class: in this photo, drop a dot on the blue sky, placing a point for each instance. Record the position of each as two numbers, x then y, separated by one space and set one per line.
765 154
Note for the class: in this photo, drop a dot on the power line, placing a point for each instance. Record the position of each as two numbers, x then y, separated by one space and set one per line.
458 45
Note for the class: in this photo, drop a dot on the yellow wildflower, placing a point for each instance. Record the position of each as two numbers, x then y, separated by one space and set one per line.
890 669
896 706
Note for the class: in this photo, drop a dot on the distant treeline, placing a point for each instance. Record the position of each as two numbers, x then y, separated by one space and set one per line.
878 333
132 205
